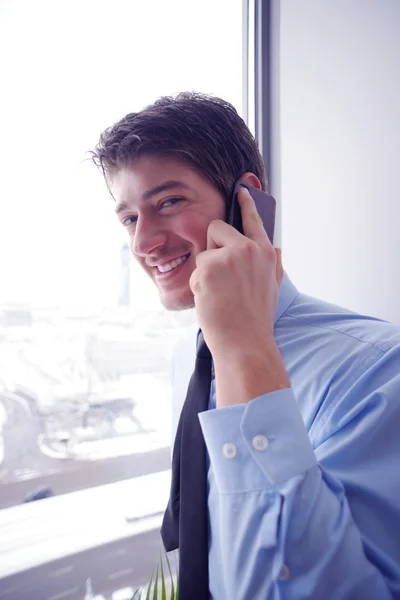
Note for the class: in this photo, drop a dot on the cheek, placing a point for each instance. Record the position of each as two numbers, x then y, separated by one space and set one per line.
193 228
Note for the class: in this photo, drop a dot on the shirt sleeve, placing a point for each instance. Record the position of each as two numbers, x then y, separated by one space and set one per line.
298 520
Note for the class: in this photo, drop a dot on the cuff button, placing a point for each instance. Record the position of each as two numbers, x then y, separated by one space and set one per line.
260 442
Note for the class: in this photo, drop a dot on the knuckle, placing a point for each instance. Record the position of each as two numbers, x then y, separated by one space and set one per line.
248 246
194 281
199 259
208 273
213 268
269 253
227 260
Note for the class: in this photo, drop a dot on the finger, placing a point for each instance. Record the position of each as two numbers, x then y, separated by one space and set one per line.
220 234
194 283
279 267
204 258
253 227
205 264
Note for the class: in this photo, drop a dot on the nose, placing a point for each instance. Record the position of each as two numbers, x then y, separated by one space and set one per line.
148 236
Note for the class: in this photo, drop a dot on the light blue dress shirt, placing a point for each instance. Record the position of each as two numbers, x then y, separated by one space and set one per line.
304 483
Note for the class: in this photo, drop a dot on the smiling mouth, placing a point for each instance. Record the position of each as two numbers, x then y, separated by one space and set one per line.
173 264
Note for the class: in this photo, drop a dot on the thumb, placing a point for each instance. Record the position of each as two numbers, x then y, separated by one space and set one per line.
211 243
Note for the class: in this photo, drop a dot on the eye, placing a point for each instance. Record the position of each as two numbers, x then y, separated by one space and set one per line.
129 221
170 202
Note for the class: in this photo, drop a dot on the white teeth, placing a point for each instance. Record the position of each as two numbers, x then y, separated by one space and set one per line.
172 265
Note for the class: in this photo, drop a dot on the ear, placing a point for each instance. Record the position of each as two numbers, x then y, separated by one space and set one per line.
251 179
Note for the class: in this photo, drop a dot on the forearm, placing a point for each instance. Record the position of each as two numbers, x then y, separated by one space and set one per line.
277 507
302 558
242 374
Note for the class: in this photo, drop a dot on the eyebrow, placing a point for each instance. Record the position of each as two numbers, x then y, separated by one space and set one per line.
158 189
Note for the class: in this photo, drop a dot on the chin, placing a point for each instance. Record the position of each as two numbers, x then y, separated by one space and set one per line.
182 301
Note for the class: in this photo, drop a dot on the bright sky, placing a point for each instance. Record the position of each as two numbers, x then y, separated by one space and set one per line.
70 69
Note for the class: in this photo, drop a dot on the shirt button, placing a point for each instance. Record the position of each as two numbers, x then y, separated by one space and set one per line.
260 442
284 574
229 450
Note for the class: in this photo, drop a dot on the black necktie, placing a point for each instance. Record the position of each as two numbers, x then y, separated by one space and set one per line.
185 520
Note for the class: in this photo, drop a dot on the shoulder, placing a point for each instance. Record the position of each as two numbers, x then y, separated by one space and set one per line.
320 319
340 363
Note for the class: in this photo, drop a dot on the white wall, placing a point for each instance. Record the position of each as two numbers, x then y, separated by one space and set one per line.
340 151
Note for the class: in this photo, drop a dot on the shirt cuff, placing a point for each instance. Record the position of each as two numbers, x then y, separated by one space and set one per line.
257 445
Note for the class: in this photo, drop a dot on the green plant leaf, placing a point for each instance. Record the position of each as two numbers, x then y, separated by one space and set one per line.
173 597
149 588
155 589
163 590
177 577
157 585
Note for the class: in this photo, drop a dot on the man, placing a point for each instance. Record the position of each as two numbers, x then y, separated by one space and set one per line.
302 431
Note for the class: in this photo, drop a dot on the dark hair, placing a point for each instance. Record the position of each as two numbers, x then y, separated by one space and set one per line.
204 131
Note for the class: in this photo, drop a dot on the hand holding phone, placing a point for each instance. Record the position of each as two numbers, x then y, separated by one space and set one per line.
236 289
265 204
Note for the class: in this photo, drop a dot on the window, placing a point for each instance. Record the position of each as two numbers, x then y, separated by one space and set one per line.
84 344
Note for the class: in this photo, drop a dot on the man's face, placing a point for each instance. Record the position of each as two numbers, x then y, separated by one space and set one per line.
166 208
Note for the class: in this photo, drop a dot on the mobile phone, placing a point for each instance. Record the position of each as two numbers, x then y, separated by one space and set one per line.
266 207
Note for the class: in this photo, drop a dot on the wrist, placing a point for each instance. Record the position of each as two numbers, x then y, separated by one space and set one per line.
243 374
